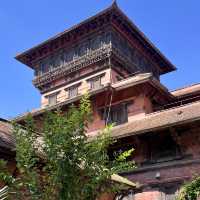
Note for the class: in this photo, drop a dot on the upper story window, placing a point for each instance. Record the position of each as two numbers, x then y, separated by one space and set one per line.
73 91
117 114
76 51
52 99
96 82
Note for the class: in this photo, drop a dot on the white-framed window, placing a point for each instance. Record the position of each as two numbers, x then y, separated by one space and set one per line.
73 90
96 82
52 99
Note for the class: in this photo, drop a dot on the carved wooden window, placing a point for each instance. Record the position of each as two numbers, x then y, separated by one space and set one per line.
95 82
52 99
107 38
76 52
73 91
162 148
96 43
83 49
51 63
117 114
42 68
59 59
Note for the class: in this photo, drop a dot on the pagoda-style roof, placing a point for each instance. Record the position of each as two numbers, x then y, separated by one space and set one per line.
112 16
187 91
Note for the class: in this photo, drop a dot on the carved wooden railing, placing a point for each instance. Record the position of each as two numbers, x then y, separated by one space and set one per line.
81 62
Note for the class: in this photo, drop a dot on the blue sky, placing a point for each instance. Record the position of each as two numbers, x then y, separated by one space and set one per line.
173 26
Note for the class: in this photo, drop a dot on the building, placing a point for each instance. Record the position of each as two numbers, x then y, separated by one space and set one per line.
111 58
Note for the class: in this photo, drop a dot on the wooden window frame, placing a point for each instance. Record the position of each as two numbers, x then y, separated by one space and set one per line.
76 86
52 95
92 79
124 109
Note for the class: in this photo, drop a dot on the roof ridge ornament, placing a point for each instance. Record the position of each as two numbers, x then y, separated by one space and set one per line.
114 4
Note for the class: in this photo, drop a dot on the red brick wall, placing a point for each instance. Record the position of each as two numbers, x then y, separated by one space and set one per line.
139 104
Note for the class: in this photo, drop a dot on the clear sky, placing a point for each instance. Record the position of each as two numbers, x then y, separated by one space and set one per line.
172 25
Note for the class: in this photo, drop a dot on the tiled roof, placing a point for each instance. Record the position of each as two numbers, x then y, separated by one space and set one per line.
188 90
6 139
158 120
139 79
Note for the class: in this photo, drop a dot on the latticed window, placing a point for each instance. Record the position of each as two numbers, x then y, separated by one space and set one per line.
117 114
161 148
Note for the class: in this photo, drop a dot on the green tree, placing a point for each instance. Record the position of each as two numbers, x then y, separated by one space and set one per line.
61 162
190 190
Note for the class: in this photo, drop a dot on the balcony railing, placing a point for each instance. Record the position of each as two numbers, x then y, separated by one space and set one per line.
80 62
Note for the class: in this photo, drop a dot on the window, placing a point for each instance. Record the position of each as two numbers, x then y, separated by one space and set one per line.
117 114
52 99
73 91
162 148
95 82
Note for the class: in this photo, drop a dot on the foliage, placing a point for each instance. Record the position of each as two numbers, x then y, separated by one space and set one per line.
62 164
190 191
4 174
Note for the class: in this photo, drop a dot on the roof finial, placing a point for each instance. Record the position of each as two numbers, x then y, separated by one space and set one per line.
114 3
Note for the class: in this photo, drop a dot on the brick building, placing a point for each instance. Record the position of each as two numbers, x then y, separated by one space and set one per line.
111 58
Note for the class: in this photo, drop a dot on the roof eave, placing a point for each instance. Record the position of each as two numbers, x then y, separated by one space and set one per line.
168 68
169 65
20 56
59 105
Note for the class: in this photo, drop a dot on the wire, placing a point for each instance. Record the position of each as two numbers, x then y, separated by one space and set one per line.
109 107
111 97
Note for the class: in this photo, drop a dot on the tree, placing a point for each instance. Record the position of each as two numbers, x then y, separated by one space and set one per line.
61 163
190 190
